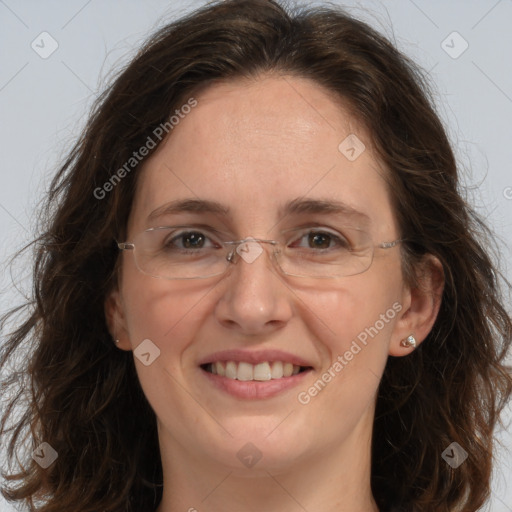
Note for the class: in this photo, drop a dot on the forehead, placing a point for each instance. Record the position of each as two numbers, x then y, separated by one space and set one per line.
257 145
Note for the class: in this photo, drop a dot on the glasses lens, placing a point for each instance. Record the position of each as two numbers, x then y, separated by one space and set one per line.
324 253
179 252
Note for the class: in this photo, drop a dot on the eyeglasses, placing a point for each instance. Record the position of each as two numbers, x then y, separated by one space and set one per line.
187 252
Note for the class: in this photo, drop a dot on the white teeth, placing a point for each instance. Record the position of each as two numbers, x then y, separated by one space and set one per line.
262 372
221 369
231 368
277 370
246 371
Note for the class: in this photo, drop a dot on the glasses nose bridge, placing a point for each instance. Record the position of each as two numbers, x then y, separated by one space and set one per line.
248 257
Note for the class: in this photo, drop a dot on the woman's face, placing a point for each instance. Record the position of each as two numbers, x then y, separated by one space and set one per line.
254 148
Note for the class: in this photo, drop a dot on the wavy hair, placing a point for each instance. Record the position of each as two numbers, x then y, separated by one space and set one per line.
75 390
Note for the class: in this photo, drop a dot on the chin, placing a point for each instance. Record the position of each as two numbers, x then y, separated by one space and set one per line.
259 443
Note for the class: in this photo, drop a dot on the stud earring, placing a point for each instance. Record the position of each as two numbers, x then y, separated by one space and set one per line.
116 341
410 341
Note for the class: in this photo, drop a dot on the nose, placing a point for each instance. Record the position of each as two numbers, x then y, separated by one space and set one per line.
255 299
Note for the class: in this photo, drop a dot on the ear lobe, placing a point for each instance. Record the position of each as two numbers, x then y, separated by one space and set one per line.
115 319
424 300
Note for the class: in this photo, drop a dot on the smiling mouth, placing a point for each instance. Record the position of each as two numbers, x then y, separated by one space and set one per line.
243 371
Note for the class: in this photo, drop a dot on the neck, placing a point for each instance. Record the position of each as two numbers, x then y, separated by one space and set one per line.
335 480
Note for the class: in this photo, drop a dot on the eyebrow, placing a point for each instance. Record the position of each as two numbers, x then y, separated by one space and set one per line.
324 206
295 207
188 205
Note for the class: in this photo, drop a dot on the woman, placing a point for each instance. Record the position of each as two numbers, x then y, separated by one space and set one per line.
259 286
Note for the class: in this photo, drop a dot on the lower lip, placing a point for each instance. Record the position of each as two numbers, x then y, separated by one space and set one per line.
254 389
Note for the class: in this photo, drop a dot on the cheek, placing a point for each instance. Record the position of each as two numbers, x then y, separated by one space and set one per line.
164 311
352 327
360 319
362 305
169 315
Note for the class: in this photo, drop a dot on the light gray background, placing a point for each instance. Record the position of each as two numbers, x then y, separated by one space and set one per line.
43 104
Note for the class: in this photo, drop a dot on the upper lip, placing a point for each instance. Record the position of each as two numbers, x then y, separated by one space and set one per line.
254 357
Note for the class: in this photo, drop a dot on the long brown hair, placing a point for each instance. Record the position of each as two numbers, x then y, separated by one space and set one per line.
76 391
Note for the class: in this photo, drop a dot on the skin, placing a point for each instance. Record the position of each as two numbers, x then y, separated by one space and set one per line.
253 146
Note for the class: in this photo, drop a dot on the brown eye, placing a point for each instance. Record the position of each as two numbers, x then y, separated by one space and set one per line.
318 240
321 241
192 240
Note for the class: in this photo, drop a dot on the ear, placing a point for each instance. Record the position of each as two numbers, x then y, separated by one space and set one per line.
116 319
420 305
